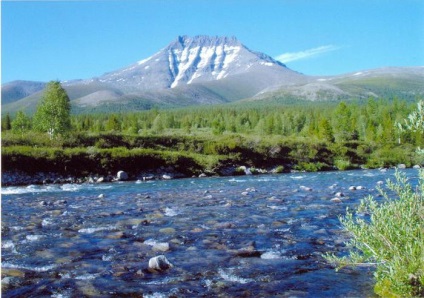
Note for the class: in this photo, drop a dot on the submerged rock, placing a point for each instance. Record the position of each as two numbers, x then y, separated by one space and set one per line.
159 263
305 188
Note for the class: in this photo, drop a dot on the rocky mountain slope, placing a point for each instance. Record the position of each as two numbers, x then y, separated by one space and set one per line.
210 70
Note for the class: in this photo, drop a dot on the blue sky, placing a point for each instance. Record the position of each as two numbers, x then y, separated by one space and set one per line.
50 40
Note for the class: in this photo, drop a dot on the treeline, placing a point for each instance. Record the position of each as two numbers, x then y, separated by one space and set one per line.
370 122
317 136
373 121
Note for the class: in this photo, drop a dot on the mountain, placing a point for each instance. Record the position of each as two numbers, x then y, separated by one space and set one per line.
403 82
16 90
200 59
211 70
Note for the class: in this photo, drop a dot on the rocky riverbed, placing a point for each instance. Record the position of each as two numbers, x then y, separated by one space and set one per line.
257 236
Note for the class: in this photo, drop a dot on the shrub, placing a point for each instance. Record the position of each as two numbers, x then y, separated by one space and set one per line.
391 238
278 170
310 166
343 164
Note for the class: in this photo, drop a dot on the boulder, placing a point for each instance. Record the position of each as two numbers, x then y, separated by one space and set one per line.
228 171
401 166
244 169
305 188
159 263
249 251
122 176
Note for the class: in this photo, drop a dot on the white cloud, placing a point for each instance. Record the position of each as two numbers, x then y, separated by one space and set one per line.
289 57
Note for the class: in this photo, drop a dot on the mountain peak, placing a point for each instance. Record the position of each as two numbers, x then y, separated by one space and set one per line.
206 40
198 59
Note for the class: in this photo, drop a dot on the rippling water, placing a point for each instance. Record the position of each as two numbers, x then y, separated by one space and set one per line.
247 236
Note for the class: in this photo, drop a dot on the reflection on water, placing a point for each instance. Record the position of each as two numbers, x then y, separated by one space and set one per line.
230 237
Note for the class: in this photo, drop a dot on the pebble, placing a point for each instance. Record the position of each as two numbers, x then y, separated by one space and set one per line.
159 263
305 188
167 230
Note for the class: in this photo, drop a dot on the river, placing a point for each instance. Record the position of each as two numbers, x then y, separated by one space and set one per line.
249 236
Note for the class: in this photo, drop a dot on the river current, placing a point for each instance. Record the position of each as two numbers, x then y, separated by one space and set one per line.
246 236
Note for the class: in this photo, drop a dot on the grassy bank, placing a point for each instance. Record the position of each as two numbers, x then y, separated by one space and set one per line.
83 153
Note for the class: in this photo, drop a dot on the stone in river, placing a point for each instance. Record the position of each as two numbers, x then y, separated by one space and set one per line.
167 230
336 200
122 176
249 251
305 188
12 272
159 263
116 235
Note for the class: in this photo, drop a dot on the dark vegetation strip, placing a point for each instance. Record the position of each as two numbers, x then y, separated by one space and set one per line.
319 136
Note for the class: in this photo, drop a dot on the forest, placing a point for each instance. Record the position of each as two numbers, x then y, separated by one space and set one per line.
304 136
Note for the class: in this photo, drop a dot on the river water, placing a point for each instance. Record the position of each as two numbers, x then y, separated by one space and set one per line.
250 236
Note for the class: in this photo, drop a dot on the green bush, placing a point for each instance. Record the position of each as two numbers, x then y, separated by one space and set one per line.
343 164
279 169
310 166
390 238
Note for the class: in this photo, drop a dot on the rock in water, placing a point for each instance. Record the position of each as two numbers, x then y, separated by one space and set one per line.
159 263
122 176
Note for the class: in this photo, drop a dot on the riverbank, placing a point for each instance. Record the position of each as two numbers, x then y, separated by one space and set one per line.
88 158
19 178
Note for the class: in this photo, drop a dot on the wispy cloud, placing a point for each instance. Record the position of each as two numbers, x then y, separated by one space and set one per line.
289 57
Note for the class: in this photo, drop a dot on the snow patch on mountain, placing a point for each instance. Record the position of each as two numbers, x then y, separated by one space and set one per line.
189 60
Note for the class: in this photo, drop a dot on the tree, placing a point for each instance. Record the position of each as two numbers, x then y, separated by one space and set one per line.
53 114
21 123
6 124
342 122
326 131
414 122
113 123
157 126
